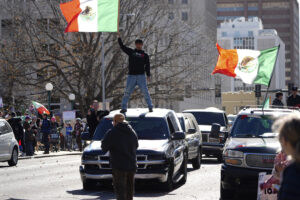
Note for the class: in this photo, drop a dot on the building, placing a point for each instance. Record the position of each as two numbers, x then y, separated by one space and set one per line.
281 15
240 33
233 102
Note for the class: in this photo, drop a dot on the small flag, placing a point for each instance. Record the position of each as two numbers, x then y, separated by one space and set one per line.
267 104
40 108
250 66
91 15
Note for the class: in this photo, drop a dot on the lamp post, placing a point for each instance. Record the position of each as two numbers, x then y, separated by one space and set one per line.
49 88
72 99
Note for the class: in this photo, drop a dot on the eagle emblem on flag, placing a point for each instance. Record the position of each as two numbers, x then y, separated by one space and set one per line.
248 64
88 14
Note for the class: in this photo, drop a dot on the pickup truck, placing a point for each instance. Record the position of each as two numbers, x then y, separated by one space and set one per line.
162 154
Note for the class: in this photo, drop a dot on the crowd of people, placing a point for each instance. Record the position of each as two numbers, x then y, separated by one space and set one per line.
292 101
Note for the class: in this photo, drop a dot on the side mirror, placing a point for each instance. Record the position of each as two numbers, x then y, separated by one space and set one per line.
85 136
192 131
215 130
178 136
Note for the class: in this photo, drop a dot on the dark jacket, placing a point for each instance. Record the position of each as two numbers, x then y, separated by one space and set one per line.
16 125
293 102
45 126
122 142
277 103
138 60
290 186
94 118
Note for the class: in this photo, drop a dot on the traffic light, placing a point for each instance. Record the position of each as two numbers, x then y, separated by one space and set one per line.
257 91
218 91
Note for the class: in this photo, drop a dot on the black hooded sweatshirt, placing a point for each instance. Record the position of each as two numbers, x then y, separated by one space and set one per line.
122 142
138 60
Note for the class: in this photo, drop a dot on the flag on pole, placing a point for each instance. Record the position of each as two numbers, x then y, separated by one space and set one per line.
40 108
266 104
250 66
91 15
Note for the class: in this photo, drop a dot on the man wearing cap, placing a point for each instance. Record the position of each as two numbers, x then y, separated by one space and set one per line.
45 130
122 142
278 100
139 65
294 99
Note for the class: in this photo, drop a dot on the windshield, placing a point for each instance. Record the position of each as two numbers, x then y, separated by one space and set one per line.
208 118
181 121
252 126
146 128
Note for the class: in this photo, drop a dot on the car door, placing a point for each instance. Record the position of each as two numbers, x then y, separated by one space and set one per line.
4 140
194 140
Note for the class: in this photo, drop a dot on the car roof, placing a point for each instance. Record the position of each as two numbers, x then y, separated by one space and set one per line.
211 109
143 112
184 115
269 111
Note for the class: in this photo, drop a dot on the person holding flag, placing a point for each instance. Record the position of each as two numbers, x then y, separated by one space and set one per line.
138 66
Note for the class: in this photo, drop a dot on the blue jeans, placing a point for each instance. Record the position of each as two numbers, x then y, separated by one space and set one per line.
132 82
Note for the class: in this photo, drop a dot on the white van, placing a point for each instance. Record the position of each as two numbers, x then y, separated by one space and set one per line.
9 150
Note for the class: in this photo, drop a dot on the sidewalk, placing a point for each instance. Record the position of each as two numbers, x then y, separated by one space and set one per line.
51 154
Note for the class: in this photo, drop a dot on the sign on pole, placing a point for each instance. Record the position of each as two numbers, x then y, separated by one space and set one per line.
69 115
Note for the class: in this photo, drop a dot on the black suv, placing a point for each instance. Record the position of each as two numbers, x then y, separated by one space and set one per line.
162 154
193 138
249 150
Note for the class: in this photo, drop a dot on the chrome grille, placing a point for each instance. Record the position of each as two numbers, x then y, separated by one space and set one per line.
260 160
105 162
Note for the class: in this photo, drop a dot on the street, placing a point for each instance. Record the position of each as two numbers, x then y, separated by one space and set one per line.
58 178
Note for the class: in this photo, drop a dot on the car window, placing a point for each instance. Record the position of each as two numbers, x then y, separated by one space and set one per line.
187 123
171 127
146 128
181 121
208 118
251 126
3 128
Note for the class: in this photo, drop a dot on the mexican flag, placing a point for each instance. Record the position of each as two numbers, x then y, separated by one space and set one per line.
250 66
40 108
91 15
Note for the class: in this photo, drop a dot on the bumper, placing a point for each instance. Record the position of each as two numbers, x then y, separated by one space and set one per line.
213 149
238 178
160 176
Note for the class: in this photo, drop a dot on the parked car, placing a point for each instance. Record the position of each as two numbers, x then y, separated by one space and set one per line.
193 138
249 150
162 154
212 119
9 150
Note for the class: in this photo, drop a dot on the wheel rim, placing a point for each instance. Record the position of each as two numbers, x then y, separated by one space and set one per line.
15 156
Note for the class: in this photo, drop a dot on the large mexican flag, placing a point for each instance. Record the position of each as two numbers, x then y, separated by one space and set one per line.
40 108
91 15
250 66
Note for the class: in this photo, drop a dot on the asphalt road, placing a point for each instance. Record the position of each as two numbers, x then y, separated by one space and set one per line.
58 178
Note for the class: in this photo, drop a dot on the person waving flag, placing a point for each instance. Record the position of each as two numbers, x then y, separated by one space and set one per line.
91 15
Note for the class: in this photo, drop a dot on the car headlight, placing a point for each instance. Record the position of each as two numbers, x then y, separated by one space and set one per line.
234 154
233 157
89 157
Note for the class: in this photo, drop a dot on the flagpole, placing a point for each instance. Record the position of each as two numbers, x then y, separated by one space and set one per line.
119 16
271 78
103 74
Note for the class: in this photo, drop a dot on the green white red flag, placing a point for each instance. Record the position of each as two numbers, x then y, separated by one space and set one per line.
40 108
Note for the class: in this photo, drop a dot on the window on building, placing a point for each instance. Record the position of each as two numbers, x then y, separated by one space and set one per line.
184 1
171 15
224 34
250 33
171 1
184 16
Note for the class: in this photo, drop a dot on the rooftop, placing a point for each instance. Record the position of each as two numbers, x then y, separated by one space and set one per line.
269 111
211 109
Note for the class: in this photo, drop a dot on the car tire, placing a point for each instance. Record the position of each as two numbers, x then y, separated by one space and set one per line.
184 169
14 157
89 184
196 162
169 184
226 194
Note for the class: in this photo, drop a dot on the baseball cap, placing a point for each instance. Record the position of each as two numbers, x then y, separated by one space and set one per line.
119 118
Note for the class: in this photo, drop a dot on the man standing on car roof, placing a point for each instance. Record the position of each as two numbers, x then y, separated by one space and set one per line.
294 99
139 64
122 142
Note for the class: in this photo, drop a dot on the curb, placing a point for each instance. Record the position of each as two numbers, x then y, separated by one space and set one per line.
49 155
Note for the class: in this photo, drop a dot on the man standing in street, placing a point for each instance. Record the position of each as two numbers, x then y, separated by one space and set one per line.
278 100
45 130
122 142
139 64
294 99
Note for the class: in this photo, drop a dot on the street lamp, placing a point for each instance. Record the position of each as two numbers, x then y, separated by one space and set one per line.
72 99
49 88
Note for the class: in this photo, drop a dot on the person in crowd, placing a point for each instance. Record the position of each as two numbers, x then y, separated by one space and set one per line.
78 128
139 64
35 133
294 99
1 114
69 130
54 135
28 137
94 116
278 100
16 125
122 142
45 130
289 137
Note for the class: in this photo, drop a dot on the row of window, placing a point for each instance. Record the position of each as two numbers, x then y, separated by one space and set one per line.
232 9
182 1
184 16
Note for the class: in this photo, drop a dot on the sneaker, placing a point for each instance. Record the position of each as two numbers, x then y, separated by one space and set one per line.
150 109
123 111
